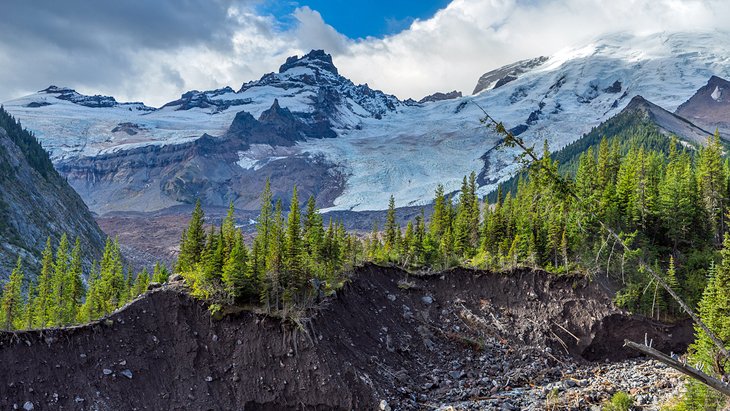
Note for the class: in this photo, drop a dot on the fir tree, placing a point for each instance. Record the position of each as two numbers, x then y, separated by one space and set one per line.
60 281
193 243
11 304
141 281
390 227
43 300
235 279
160 274
295 274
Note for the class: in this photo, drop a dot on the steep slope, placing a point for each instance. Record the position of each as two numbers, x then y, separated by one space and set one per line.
35 202
383 146
456 336
709 107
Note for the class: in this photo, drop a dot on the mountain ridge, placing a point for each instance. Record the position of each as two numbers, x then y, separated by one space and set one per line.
382 145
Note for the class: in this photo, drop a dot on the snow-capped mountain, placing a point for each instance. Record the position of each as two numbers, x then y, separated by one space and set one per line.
349 145
72 125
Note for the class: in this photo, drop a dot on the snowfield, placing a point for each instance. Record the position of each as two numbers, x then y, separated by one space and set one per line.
386 146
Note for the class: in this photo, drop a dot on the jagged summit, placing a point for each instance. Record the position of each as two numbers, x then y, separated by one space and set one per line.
317 59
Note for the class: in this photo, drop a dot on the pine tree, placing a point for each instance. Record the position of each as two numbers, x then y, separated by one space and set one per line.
193 243
235 279
61 286
160 274
213 257
295 279
228 230
93 307
141 281
43 300
264 230
112 290
11 304
29 313
390 228
712 183
440 216
75 286
313 233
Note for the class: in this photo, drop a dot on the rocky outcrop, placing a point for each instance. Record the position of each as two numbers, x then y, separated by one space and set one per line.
277 126
35 203
95 101
506 74
153 178
440 97
206 99
709 107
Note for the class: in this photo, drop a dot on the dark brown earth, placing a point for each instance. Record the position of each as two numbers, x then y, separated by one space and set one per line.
414 342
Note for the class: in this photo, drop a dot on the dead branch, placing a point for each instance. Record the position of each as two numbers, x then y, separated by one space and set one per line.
690 371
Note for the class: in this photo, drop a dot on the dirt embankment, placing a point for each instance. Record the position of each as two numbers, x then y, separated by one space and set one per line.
457 336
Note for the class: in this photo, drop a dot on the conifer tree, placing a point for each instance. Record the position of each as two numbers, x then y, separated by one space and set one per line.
141 281
213 256
264 230
390 227
29 312
92 307
61 286
11 304
313 232
160 274
228 230
112 290
75 286
193 243
295 274
440 214
713 183
43 300
235 279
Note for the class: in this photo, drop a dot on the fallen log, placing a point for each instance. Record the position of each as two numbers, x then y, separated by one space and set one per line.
681 366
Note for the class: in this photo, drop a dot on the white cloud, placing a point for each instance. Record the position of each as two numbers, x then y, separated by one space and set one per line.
469 37
448 51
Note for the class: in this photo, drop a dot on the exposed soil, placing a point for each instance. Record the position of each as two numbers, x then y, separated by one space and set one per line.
461 337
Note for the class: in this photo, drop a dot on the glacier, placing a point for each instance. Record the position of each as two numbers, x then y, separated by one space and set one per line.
388 146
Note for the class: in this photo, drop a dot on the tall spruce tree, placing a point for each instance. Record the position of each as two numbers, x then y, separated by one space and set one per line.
391 227
11 303
60 281
43 299
193 242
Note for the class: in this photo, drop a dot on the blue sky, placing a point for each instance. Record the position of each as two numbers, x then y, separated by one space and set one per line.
360 19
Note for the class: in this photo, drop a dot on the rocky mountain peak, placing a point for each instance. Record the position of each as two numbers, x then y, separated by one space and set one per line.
639 103
316 59
709 107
